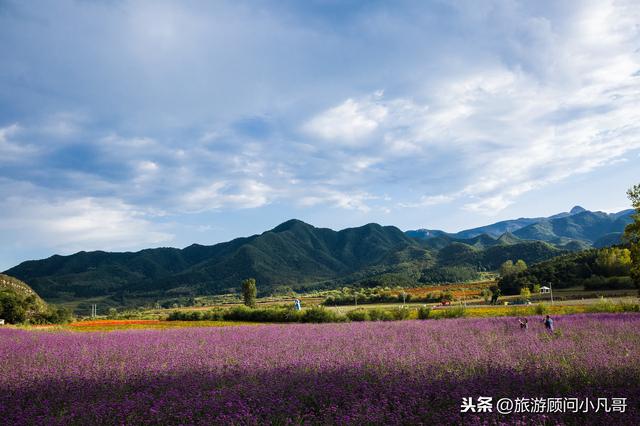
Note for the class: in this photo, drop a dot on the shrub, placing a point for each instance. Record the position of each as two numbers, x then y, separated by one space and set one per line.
603 305
320 314
629 307
378 314
541 309
399 314
424 312
358 315
454 312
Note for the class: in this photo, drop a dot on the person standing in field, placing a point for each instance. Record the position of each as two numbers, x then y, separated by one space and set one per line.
548 323
524 323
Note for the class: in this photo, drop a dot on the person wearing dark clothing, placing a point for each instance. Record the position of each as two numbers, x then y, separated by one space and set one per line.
548 323
524 323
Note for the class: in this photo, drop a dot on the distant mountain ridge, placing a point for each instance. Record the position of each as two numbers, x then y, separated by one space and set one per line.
297 256
293 255
578 228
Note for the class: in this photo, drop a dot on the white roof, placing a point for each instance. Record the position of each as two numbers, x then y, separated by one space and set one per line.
545 287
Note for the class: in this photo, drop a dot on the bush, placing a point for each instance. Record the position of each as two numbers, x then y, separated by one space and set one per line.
424 312
378 314
212 315
541 309
400 314
320 314
454 312
606 305
358 315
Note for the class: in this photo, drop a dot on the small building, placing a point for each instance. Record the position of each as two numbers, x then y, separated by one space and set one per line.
1 322
545 289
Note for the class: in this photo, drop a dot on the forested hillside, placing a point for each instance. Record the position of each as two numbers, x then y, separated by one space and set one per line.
292 256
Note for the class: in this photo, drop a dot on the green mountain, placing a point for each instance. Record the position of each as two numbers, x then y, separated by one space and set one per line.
585 226
574 230
294 255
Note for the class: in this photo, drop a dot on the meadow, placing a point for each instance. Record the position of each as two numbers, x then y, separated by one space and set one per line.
397 372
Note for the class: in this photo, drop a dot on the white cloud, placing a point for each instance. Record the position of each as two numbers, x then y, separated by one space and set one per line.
349 122
63 125
69 225
356 200
430 200
229 195
10 149
506 98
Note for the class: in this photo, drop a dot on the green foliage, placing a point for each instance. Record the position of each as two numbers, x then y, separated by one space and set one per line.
447 296
606 305
597 282
448 274
506 268
319 314
379 314
525 292
453 312
13 308
424 312
613 261
358 315
315 314
541 309
16 308
348 296
510 268
20 304
632 235
400 313
249 292
495 294
561 272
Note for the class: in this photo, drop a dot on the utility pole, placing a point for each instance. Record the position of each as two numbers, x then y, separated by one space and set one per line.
551 293
94 310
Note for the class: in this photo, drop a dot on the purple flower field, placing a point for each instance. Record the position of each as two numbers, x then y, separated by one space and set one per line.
409 372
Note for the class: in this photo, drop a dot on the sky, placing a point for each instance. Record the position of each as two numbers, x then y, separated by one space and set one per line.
134 124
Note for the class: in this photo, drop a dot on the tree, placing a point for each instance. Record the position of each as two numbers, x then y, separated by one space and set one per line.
495 293
520 266
613 261
632 235
506 268
12 308
525 293
249 292
447 296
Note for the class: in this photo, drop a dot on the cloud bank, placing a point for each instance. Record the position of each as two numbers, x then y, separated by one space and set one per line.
124 123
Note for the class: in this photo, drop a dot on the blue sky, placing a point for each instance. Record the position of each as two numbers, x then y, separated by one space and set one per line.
133 124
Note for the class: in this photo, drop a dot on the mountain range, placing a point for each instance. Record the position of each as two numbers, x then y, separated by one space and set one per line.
298 256
576 229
